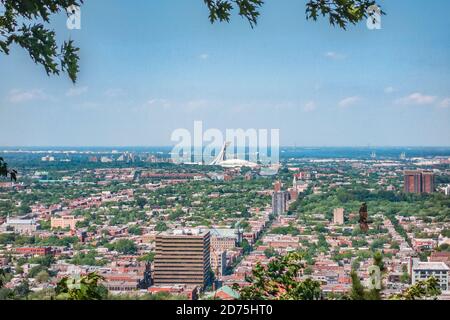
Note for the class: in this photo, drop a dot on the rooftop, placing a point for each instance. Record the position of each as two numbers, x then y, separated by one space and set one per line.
223 232
186 232
430 266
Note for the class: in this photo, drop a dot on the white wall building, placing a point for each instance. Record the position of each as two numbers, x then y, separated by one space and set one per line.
338 216
447 190
22 226
424 270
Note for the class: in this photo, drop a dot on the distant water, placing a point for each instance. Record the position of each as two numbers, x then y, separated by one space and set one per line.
285 152
364 152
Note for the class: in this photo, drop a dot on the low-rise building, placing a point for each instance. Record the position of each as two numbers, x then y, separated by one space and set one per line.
39 251
440 257
225 239
189 291
64 222
19 225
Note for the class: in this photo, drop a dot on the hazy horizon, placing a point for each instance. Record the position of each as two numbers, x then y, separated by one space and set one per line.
281 146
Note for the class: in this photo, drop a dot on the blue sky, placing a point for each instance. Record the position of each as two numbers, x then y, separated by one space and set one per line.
158 65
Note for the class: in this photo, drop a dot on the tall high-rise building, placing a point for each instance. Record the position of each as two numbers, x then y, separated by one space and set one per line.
428 182
363 218
279 199
277 186
416 181
412 181
279 202
338 216
182 257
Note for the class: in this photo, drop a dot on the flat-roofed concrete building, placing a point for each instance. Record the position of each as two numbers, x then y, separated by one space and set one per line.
424 270
182 257
19 225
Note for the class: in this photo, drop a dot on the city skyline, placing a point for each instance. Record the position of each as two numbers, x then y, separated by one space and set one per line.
163 68
275 154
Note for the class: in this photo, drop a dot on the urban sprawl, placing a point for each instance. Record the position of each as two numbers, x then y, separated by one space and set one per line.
153 229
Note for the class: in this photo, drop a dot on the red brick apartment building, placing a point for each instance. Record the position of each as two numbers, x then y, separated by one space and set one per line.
39 251
419 181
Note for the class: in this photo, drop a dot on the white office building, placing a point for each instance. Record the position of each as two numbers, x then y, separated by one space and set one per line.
424 270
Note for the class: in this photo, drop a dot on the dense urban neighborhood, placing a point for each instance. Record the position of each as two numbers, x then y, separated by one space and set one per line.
138 226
